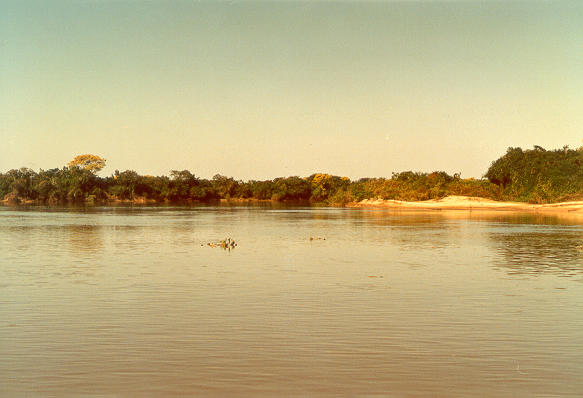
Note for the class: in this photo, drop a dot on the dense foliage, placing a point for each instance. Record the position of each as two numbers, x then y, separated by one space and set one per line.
535 175
538 175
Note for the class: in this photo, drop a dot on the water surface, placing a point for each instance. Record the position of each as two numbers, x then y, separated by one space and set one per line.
131 301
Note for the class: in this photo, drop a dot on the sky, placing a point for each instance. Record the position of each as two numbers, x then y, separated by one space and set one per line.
263 89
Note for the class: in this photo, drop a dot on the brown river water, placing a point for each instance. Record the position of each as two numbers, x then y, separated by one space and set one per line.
132 302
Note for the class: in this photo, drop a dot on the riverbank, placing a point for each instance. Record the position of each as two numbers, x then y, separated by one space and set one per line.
452 202
140 200
471 203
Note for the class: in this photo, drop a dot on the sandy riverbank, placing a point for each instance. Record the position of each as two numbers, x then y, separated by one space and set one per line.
471 203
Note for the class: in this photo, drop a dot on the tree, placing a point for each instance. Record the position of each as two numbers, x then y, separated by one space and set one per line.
538 175
291 188
182 175
324 186
224 186
125 184
183 186
92 163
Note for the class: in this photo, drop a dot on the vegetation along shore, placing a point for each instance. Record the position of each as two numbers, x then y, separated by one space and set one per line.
520 178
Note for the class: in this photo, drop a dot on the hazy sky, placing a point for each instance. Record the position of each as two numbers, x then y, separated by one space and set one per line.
260 89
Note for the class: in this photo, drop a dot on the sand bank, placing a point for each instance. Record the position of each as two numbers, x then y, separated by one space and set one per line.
471 203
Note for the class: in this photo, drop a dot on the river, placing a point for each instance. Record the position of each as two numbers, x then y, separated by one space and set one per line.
132 301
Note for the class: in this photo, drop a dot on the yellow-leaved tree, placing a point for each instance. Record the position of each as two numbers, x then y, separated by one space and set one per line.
92 163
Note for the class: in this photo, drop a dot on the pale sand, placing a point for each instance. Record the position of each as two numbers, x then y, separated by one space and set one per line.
470 203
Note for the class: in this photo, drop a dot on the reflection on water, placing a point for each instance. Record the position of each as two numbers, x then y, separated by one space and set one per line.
537 252
131 301
84 238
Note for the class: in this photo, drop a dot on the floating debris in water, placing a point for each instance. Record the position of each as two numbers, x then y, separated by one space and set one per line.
316 238
226 244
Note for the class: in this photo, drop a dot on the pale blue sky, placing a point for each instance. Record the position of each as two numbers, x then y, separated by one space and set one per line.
258 90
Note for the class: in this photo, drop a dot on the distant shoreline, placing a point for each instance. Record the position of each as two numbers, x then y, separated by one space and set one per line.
470 203
142 201
452 202
526 176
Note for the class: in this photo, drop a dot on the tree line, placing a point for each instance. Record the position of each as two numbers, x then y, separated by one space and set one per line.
535 176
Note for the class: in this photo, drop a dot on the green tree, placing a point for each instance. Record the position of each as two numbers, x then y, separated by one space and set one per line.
538 175
224 186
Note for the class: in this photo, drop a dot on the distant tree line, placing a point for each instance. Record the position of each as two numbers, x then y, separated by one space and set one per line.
536 176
